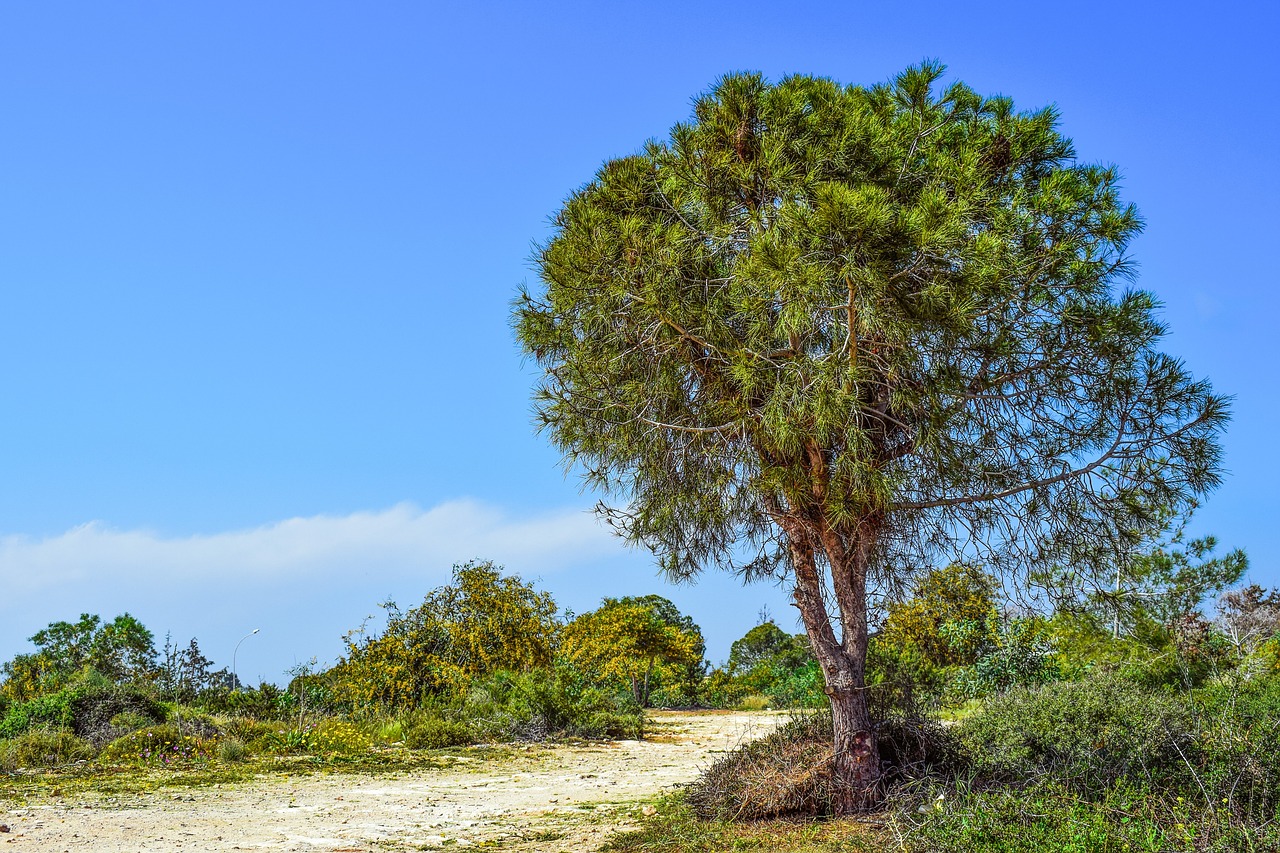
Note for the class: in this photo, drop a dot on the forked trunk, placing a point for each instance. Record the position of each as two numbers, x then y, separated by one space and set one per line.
855 764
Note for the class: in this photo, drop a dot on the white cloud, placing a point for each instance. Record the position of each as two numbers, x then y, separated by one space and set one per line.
404 539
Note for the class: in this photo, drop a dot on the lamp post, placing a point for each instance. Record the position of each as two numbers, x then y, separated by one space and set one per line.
235 681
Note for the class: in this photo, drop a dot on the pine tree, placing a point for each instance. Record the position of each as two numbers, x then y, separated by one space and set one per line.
842 335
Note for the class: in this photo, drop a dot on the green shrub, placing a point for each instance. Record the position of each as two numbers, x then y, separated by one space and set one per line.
256 735
721 690
335 736
328 737
754 702
1048 817
41 747
1092 732
1236 759
437 733
231 750
87 708
546 703
95 707
264 702
158 746
130 721
49 711
612 725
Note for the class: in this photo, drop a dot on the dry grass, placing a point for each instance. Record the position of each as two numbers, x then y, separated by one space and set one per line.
786 772
675 828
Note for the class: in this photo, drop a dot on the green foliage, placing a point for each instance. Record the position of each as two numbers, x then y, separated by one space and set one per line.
231 750
775 667
1047 816
633 644
957 594
1011 653
42 747
121 650
437 733
325 738
258 736
1237 755
771 662
537 705
85 707
721 690
674 827
1110 764
1093 732
264 702
158 746
481 623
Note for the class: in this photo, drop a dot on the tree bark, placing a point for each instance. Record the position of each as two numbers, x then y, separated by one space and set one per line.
855 764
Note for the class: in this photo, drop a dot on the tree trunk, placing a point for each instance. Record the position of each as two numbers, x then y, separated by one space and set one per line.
855 763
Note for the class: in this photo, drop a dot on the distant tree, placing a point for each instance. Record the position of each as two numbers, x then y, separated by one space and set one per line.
959 594
1163 580
683 680
626 641
766 643
185 672
843 334
1249 616
123 650
481 623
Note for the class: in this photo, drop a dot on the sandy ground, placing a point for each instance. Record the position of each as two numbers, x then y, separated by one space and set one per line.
562 798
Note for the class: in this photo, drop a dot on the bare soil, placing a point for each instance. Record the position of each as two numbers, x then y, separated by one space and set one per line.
564 797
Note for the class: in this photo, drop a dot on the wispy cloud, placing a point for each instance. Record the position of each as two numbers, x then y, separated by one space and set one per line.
404 539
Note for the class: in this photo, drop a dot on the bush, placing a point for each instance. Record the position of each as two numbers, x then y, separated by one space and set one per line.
50 711
43 748
437 733
158 746
754 702
1090 732
231 750
329 737
1109 764
95 709
257 736
547 703
87 708
1237 754
721 690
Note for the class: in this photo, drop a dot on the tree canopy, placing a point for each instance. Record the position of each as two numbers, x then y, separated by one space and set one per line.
842 334
482 622
122 650
632 640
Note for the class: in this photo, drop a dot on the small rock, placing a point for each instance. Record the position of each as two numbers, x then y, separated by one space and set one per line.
4 827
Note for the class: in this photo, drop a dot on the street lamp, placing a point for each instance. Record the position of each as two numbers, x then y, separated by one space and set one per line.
235 682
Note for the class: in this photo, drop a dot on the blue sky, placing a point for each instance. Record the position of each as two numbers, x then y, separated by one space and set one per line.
256 261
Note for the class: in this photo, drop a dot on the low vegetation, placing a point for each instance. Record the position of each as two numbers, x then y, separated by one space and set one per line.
1104 723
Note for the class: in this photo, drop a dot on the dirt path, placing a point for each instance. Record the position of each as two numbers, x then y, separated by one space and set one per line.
562 798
